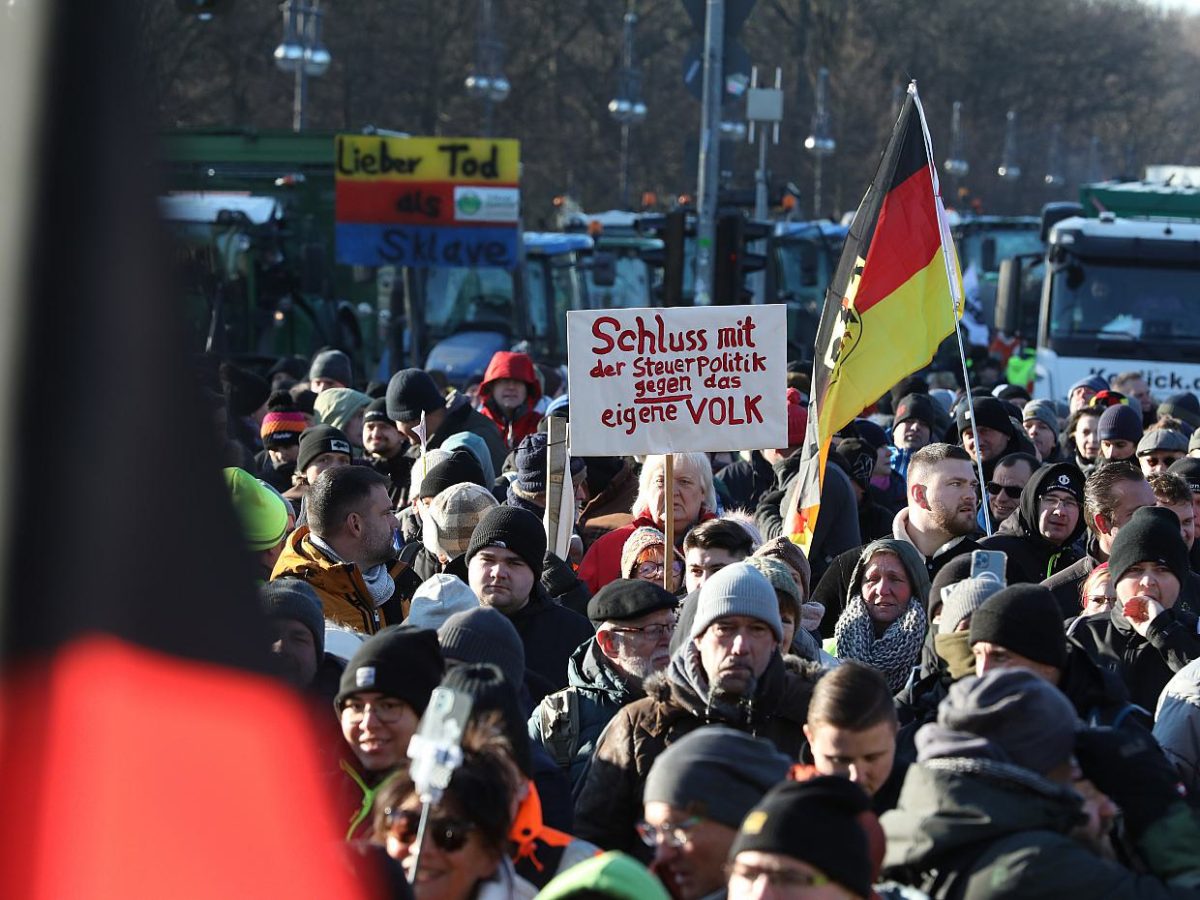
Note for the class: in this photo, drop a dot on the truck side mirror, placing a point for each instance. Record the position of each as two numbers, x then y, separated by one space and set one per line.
988 254
1008 296
604 269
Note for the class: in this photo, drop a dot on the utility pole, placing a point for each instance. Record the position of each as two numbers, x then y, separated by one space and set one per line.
764 106
710 149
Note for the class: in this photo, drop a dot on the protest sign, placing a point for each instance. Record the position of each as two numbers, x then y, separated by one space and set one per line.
674 380
422 201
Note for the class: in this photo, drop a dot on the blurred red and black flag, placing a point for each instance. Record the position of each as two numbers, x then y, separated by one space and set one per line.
144 752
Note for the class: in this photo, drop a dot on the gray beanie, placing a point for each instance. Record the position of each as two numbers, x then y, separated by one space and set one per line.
963 599
1043 411
737 590
291 598
484 635
1008 715
439 597
332 364
719 771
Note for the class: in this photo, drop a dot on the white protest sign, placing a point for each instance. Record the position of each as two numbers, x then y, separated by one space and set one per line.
701 378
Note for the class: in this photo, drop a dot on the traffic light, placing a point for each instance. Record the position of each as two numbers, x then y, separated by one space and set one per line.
733 262
673 230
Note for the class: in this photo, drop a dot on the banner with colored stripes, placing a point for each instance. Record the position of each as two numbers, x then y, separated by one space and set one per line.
427 202
896 295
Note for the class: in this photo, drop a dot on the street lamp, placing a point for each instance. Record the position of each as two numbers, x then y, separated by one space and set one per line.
820 142
301 52
1010 169
486 82
627 108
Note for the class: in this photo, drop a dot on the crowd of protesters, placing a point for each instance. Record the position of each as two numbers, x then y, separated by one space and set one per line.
980 680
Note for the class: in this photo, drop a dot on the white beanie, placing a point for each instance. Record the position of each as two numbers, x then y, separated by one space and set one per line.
439 597
737 590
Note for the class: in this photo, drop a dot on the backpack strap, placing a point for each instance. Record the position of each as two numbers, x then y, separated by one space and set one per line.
558 724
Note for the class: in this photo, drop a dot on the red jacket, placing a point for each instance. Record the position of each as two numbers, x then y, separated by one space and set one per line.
518 366
602 562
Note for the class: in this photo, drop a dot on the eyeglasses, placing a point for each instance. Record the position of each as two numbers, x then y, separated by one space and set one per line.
387 709
669 834
654 632
1010 490
655 569
1066 503
778 878
449 834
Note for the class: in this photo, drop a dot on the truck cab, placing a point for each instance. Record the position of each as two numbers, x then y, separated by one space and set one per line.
1119 293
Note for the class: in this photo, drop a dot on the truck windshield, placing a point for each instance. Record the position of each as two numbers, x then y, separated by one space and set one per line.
631 289
1009 242
805 267
457 297
1129 310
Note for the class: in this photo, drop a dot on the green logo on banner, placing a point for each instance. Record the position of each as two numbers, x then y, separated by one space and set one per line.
469 204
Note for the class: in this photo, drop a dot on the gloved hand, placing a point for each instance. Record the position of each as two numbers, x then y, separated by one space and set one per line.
1130 767
558 577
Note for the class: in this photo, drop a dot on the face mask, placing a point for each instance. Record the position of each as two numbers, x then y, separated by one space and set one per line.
955 650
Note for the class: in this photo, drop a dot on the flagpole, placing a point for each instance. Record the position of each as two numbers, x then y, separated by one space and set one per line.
955 297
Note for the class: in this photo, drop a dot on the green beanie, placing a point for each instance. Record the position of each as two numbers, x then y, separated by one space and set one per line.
263 513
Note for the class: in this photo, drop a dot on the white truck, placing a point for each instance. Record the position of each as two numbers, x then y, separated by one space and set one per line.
1118 289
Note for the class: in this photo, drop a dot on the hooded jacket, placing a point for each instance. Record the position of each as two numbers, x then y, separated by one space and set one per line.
598 692
1031 556
1145 664
1177 724
610 802
963 833
524 419
343 592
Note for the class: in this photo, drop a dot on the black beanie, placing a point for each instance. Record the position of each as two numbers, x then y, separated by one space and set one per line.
1121 423
628 598
491 692
989 413
1025 619
410 393
1184 407
1188 469
916 406
291 598
816 822
377 412
511 529
460 467
1150 535
320 439
244 391
859 457
399 661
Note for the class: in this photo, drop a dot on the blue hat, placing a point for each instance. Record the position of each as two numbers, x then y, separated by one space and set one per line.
1096 382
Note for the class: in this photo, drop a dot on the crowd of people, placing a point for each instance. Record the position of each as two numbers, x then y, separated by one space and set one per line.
979 680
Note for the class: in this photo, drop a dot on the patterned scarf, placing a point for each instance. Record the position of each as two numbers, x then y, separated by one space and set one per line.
895 653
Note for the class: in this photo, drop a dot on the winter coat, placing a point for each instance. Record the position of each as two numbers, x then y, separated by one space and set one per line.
985 831
524 420
747 480
550 634
1066 583
602 562
540 852
837 525
398 470
609 509
1031 557
1145 664
279 477
610 802
1098 694
1177 724
461 416
339 585
597 692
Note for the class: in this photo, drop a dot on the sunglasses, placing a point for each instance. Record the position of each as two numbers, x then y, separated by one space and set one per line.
448 834
1010 490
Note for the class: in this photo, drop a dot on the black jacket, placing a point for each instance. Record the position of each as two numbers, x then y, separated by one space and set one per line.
461 416
1144 664
1031 557
550 634
747 480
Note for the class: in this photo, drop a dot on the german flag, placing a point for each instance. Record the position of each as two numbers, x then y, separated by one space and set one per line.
144 751
896 295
